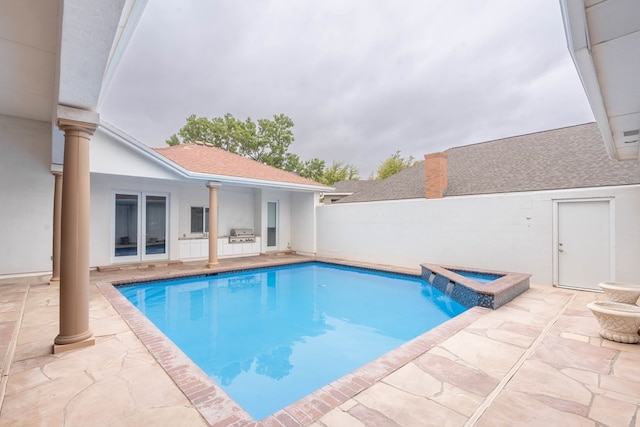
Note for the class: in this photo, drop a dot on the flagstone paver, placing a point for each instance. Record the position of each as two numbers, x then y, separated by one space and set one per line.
540 379
538 360
513 409
612 412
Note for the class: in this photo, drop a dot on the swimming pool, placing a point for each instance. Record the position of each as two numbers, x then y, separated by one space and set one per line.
269 337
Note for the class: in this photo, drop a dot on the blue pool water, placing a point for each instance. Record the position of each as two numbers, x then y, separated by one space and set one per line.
271 336
481 278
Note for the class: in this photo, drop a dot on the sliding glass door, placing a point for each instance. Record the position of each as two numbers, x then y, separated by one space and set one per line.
140 227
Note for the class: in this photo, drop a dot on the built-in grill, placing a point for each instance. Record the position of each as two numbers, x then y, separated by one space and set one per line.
242 235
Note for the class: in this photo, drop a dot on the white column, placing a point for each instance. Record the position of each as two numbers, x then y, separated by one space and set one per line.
213 224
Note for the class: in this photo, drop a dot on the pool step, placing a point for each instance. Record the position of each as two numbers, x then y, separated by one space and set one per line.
280 253
138 265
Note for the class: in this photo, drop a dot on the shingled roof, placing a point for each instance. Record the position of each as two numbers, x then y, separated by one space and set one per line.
570 157
352 186
209 160
406 184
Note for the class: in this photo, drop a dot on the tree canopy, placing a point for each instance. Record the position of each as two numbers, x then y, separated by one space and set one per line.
394 164
266 141
339 171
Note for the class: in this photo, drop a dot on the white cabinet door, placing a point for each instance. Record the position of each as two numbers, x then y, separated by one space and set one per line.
185 249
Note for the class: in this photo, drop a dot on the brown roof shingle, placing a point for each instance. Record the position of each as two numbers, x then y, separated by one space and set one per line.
570 157
216 161
406 184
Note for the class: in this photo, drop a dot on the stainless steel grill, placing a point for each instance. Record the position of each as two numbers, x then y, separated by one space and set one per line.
242 235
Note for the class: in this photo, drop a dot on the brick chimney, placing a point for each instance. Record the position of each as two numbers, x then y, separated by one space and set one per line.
435 170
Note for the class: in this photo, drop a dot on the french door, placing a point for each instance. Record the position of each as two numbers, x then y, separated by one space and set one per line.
139 231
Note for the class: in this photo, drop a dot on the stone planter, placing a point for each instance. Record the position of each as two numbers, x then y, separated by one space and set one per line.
618 322
621 292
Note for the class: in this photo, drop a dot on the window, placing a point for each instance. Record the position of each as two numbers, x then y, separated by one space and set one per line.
199 220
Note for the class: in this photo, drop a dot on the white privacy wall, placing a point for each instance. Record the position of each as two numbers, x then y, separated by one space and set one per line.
303 216
511 232
26 187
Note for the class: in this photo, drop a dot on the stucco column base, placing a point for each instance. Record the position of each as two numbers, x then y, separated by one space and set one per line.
54 281
212 264
61 348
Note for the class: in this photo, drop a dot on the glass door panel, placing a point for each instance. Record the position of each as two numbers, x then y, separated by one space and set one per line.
155 225
126 226
272 221
140 227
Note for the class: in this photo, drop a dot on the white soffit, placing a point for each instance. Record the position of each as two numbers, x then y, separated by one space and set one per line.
60 52
88 31
28 54
131 14
604 42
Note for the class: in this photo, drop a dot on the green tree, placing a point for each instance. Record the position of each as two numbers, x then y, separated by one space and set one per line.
339 171
265 141
313 169
394 164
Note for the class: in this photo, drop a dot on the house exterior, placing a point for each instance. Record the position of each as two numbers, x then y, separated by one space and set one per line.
551 203
153 204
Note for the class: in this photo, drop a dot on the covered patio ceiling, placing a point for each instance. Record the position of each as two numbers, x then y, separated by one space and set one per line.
604 41
60 52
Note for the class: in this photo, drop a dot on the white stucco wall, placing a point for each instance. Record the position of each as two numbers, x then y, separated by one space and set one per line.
511 232
235 207
303 230
109 155
26 186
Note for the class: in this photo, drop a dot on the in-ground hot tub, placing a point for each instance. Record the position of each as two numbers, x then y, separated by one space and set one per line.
474 287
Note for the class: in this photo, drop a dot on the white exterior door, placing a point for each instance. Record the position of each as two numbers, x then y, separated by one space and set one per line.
272 225
139 230
584 243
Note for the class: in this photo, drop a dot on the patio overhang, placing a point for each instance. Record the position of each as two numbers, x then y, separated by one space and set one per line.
603 39
61 52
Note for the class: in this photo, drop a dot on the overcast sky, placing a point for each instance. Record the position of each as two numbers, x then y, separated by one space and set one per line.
360 78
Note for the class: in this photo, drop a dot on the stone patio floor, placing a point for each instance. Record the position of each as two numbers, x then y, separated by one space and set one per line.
538 360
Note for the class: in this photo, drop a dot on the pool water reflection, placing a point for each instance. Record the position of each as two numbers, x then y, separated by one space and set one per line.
271 336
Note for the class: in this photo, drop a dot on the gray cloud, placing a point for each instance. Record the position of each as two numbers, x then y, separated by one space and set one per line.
360 78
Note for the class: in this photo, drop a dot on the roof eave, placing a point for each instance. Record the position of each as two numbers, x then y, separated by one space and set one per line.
576 30
252 182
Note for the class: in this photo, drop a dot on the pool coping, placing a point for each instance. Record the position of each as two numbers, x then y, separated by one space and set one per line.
219 409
